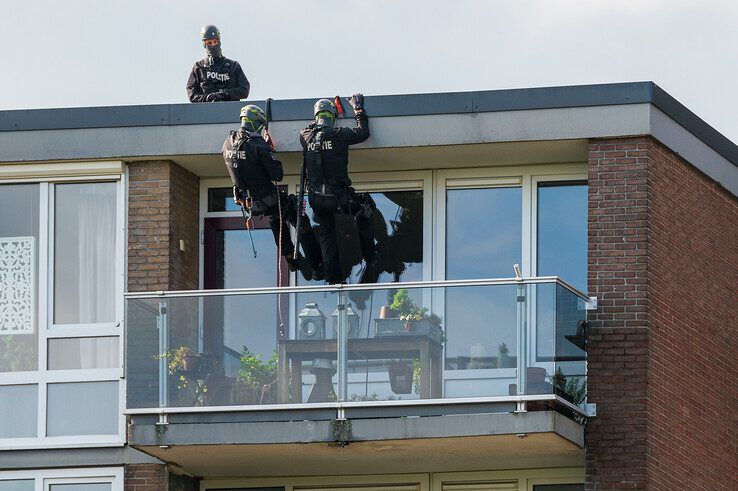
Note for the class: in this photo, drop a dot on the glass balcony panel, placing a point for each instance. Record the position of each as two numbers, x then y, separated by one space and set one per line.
329 344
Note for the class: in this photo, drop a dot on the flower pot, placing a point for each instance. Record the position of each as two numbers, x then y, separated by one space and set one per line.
401 377
397 327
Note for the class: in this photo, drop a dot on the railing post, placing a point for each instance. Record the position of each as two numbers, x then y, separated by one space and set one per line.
163 345
342 339
522 336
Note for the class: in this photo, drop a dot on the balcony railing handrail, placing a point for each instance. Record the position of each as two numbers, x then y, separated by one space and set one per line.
345 288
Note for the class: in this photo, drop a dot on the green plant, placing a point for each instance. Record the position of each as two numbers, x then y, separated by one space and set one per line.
407 310
503 349
17 353
416 375
178 358
254 371
577 388
558 379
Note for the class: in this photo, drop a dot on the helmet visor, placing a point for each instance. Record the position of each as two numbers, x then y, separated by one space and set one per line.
325 114
211 42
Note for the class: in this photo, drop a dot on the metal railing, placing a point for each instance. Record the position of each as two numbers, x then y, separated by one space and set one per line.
457 341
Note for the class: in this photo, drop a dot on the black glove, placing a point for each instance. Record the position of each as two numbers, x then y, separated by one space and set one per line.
215 97
238 195
357 102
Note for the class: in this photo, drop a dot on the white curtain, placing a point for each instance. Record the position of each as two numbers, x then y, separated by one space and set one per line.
96 252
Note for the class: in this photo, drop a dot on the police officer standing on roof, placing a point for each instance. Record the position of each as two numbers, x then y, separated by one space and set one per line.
253 168
325 154
215 77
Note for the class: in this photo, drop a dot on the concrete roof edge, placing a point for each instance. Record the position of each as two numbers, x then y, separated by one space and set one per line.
379 106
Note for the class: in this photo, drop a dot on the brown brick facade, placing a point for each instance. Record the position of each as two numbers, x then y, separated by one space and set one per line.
155 477
662 241
163 208
145 477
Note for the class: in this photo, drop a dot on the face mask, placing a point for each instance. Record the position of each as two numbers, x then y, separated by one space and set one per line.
212 47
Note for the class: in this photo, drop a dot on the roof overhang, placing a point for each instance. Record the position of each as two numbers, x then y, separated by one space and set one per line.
521 119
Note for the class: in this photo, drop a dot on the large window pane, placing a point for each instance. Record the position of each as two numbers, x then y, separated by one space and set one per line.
104 486
562 251
19 227
82 408
483 240
84 253
73 353
398 230
18 411
18 485
562 232
483 232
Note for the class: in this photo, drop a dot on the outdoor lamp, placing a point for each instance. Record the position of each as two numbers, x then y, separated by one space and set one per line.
353 322
311 322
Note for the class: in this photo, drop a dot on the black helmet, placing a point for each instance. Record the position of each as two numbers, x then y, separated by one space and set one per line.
210 36
325 112
253 118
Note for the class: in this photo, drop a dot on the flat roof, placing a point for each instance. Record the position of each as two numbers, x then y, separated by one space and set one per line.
379 106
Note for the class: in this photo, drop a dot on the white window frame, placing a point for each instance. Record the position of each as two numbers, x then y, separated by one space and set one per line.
527 178
43 478
536 179
524 478
42 377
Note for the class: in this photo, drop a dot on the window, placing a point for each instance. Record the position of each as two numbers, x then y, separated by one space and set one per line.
19 288
61 314
84 253
483 240
562 231
87 479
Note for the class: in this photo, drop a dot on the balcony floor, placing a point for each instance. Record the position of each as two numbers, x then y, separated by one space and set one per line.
420 444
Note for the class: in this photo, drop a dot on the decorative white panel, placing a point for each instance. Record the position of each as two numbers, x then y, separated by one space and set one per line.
17 285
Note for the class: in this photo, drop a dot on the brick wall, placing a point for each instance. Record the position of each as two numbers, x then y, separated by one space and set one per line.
661 240
162 209
145 477
693 323
155 477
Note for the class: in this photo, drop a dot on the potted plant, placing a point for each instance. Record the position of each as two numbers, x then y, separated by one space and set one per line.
572 389
181 359
410 319
503 359
256 379
402 376
184 363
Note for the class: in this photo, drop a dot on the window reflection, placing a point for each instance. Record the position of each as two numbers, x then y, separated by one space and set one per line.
562 251
483 240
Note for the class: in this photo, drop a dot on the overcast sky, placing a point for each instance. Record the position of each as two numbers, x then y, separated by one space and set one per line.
96 53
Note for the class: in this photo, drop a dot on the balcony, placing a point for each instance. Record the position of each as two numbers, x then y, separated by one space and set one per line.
356 363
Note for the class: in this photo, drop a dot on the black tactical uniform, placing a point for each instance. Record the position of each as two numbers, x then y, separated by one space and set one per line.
221 77
216 78
325 151
253 168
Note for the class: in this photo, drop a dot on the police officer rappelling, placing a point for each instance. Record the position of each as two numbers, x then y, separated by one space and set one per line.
325 154
253 168
215 77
